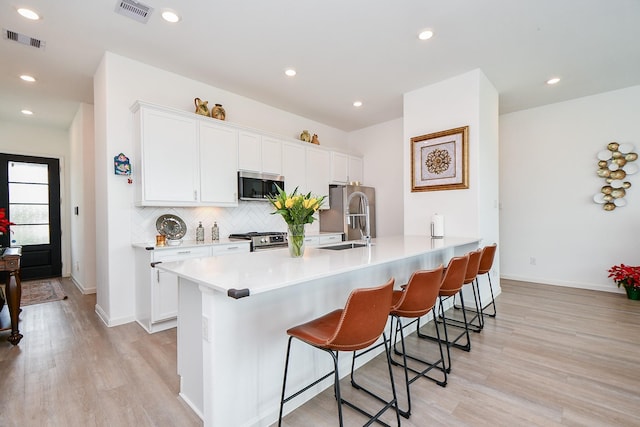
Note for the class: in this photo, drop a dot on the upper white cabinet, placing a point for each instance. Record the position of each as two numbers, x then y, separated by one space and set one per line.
356 169
184 160
167 158
271 155
259 153
293 167
218 160
318 173
339 168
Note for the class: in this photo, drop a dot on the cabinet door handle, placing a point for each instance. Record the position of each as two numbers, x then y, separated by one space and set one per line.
230 248
184 252
195 195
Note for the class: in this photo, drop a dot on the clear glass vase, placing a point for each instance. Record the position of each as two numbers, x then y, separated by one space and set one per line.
295 240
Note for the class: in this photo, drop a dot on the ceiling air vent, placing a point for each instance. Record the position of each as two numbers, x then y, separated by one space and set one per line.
22 39
134 10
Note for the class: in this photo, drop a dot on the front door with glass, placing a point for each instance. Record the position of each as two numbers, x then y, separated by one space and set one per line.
30 193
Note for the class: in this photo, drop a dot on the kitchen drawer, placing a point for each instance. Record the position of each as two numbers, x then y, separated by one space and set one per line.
330 238
236 247
178 254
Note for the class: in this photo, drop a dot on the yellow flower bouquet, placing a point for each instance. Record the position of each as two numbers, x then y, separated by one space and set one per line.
296 210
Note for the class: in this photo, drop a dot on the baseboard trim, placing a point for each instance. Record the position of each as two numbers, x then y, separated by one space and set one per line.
83 289
111 322
588 286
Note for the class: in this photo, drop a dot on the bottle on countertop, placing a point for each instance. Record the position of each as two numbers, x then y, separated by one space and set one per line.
215 232
200 233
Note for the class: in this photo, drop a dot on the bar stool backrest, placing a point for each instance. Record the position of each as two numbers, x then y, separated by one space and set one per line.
420 294
363 319
486 260
453 278
472 266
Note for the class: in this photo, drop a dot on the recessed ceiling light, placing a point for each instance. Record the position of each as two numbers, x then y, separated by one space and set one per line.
27 112
357 103
425 35
553 81
28 13
290 72
170 16
28 78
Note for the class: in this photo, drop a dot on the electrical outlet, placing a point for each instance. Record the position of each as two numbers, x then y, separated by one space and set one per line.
532 261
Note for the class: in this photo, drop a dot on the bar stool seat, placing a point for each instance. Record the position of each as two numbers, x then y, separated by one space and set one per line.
357 326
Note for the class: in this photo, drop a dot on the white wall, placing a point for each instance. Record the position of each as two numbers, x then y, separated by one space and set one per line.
118 83
548 179
381 147
465 100
82 196
41 141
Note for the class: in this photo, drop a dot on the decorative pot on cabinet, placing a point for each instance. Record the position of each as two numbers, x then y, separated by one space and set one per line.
217 112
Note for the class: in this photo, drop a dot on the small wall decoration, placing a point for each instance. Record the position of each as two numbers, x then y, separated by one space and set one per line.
121 165
615 164
440 161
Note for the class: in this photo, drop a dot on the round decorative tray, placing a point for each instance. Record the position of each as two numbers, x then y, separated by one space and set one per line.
171 226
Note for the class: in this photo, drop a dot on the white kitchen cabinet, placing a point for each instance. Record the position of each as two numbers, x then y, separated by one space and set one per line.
157 291
339 168
271 155
294 167
183 160
249 151
218 160
167 158
318 173
356 169
259 153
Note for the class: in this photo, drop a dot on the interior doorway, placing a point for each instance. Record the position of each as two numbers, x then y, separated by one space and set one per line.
30 193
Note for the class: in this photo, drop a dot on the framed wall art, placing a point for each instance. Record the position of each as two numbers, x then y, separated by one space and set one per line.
440 161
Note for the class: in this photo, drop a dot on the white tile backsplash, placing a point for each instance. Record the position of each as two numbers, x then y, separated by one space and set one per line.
248 216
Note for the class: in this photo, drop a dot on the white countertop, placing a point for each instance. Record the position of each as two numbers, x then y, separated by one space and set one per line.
265 271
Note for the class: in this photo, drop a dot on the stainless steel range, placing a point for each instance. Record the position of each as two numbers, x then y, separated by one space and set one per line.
263 240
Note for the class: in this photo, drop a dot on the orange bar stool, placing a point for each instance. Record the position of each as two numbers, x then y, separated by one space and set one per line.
486 262
415 300
452 282
470 279
356 327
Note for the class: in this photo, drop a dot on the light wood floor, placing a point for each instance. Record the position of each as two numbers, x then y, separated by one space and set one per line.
553 356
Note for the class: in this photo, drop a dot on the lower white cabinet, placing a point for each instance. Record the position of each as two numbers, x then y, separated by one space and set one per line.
157 291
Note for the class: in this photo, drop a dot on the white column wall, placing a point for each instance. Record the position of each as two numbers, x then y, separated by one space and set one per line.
82 196
551 230
466 100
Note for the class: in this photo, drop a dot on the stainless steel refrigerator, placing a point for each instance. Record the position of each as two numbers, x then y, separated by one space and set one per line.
335 220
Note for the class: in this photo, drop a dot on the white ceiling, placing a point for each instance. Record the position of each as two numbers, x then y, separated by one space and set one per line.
343 50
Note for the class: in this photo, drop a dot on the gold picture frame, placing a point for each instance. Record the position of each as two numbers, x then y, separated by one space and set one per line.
440 161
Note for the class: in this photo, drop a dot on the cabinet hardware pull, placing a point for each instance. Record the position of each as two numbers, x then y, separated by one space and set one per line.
184 252
229 248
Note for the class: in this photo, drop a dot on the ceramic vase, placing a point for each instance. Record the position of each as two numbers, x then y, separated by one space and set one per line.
295 240
217 112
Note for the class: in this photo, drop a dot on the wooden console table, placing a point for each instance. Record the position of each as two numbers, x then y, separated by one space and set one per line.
10 268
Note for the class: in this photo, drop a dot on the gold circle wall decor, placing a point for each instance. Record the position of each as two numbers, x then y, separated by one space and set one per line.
614 165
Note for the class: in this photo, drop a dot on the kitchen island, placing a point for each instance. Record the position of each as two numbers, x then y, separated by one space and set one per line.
233 313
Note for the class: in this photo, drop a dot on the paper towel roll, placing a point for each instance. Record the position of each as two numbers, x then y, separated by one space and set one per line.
437 226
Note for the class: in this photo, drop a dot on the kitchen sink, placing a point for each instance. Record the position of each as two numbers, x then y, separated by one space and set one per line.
343 246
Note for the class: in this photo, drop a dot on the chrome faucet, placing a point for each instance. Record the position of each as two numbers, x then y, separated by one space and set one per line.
366 237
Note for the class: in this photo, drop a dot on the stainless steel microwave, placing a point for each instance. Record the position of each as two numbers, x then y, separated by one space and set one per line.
256 186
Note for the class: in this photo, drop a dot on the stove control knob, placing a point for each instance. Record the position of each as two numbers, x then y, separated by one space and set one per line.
263 240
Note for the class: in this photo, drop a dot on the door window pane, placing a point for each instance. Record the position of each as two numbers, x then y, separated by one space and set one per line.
28 193
30 234
30 214
28 172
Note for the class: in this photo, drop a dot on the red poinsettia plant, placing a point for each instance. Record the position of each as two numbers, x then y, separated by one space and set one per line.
4 222
625 275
